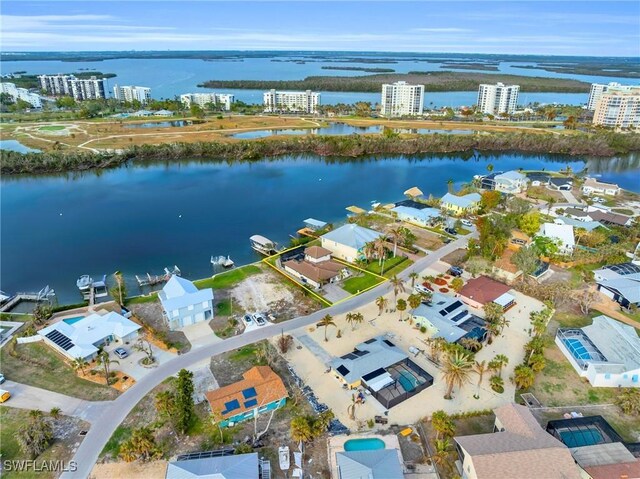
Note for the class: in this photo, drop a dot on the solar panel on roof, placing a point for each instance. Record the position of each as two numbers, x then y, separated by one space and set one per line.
251 403
60 340
249 393
342 370
232 405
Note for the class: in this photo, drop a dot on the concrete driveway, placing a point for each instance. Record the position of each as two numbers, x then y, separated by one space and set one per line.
334 292
130 365
203 380
30 397
200 334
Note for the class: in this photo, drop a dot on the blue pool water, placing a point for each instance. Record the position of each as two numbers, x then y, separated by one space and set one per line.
587 437
577 349
408 381
75 319
364 444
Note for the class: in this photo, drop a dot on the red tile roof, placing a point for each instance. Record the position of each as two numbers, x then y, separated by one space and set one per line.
483 289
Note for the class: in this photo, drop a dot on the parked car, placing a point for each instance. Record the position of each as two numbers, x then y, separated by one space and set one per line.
121 353
455 271
2 379
259 319
451 231
4 395
420 288
466 223
248 320
446 240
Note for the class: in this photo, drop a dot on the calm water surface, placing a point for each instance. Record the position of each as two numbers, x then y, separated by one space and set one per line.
140 219
15 145
341 129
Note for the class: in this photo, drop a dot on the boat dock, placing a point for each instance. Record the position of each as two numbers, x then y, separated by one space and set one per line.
151 280
45 294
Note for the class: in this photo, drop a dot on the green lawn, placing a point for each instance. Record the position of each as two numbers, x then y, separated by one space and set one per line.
223 308
390 263
52 128
357 284
56 376
622 211
121 434
243 353
142 299
228 279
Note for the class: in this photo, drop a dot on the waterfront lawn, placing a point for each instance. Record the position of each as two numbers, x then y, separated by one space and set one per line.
229 278
56 376
391 266
357 284
149 298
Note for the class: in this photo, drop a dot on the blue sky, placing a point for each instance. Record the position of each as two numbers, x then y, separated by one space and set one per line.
599 28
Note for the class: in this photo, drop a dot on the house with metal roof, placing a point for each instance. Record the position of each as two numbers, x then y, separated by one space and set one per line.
510 182
459 205
184 304
83 338
592 186
607 352
378 464
420 217
261 390
448 318
561 234
620 282
228 466
348 241
577 223
519 447
314 224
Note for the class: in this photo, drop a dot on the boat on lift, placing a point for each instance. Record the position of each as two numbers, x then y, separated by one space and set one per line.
86 284
225 262
263 245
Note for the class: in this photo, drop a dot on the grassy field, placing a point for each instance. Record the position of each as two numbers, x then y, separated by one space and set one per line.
357 284
389 264
228 279
150 298
52 128
56 376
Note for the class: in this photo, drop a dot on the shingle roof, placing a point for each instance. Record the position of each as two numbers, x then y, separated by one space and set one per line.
352 235
461 201
483 289
238 466
180 293
266 384
378 353
523 450
317 272
316 252
380 464
593 183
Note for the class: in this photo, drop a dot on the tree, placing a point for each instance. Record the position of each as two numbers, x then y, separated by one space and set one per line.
518 206
413 276
497 384
184 406
457 283
105 361
380 247
301 429
537 362
396 234
414 301
353 319
119 291
550 202
398 286
284 343
65 102
523 376
586 299
476 265
456 371
489 200
442 424
35 436
450 185
144 346
196 111
42 312
79 364
401 305
498 362
628 400
325 322
471 344
217 418
165 403
381 303
140 446
480 367
526 259
529 223
55 412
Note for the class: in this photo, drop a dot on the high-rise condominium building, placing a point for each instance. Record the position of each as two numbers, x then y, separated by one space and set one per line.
402 99
79 88
498 98
293 101
202 99
597 89
21 94
618 108
132 93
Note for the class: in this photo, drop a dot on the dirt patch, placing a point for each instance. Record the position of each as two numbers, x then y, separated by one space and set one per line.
455 258
130 470
151 314
425 239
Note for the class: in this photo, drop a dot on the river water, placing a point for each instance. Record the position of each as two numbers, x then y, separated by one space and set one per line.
141 218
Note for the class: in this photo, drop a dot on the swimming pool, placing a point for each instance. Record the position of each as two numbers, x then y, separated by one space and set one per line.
75 319
577 349
585 437
407 380
364 444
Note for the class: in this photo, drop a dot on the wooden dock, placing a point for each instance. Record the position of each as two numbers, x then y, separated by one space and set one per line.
15 299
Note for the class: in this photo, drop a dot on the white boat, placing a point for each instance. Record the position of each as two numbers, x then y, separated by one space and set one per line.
225 262
85 284
228 263
284 458
263 245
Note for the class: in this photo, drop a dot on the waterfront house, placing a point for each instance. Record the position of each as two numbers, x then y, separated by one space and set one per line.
592 186
383 369
448 318
460 205
316 268
538 179
620 282
511 182
369 464
606 352
483 290
417 216
562 183
184 304
561 234
598 214
576 223
163 113
218 465
261 390
518 447
83 338
348 241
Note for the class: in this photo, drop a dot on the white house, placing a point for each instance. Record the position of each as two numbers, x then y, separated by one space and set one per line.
184 304
348 241
510 182
607 352
81 339
592 186
420 217
562 234
620 282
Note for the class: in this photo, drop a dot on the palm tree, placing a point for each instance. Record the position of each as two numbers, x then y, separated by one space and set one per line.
353 319
523 376
471 344
401 305
55 412
537 362
35 414
450 185
490 167
301 429
456 371
442 452
396 234
413 276
480 367
381 249
550 202
105 361
497 384
414 301
381 303
498 362
326 322
78 364
629 401
397 285
369 250
503 322
442 424
436 346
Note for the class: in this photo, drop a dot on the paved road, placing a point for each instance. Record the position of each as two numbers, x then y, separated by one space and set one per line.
30 397
102 429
